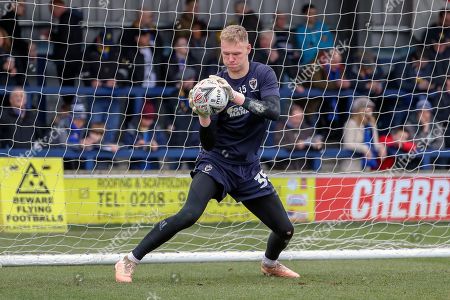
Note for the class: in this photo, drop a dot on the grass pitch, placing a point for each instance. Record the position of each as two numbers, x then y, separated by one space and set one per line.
333 279
344 279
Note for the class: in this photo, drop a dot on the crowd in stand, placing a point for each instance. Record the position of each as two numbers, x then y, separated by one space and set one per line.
376 126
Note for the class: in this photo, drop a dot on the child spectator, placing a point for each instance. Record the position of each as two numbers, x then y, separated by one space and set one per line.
397 142
142 131
72 128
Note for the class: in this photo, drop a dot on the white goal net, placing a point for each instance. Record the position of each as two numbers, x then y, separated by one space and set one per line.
97 138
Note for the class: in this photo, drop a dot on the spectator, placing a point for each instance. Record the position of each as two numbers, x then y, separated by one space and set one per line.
361 137
142 130
101 70
365 78
67 39
150 43
312 36
31 73
137 62
284 41
94 138
398 143
187 19
183 126
201 52
442 105
19 45
271 56
185 82
296 134
17 123
143 133
144 20
180 58
436 30
100 67
248 19
440 54
283 35
415 74
8 70
443 113
327 74
72 128
427 134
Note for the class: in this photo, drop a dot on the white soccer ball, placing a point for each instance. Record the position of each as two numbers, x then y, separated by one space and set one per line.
208 97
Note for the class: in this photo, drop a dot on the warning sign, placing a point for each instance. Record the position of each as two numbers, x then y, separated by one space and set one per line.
32 195
32 182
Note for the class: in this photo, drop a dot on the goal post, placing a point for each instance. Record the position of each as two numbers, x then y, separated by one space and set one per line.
97 138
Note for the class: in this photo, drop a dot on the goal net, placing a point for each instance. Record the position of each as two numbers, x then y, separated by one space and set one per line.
97 138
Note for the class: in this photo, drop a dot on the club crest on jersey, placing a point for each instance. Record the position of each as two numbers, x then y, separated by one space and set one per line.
207 169
236 111
253 84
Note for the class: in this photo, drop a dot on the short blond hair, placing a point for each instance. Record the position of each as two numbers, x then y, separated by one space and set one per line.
234 33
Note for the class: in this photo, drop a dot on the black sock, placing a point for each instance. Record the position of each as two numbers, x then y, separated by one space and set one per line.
275 245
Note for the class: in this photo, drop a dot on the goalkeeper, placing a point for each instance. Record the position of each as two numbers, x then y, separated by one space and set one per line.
229 161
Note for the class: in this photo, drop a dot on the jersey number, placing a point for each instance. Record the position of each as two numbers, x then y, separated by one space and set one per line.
261 177
242 89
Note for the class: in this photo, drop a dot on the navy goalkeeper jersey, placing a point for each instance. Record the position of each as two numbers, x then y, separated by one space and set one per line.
240 133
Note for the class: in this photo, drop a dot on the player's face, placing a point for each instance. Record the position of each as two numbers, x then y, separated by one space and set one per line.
235 55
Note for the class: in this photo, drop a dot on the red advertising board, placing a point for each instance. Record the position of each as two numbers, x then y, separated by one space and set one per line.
382 199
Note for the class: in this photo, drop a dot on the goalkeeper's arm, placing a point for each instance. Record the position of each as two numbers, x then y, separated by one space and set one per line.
207 132
268 108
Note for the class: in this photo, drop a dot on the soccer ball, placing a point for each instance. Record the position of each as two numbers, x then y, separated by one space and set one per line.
208 97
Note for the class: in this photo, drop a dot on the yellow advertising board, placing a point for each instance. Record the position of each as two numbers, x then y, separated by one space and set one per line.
32 197
119 200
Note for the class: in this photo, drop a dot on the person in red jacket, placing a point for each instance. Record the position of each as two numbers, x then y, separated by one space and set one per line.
397 141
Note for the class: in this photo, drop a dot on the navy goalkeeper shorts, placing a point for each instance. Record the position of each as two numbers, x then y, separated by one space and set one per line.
241 181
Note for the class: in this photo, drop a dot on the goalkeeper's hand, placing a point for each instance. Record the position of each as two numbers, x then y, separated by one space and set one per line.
225 86
194 109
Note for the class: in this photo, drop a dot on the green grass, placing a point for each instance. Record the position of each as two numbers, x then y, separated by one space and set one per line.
344 279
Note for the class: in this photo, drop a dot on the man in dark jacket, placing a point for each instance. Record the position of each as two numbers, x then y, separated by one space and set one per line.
101 69
67 39
249 20
17 123
19 44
